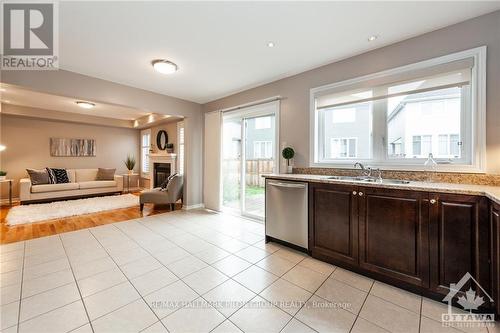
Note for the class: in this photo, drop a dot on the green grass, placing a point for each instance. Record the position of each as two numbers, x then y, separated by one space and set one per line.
254 190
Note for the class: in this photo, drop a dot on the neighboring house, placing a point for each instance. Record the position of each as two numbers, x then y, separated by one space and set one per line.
260 138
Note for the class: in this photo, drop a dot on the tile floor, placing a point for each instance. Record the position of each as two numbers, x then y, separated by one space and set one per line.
194 272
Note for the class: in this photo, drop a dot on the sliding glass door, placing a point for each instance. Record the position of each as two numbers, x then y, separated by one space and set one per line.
249 144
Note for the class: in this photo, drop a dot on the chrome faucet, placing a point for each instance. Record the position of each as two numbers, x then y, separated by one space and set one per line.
366 171
379 172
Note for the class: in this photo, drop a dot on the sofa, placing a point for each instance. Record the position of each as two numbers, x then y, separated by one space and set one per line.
82 183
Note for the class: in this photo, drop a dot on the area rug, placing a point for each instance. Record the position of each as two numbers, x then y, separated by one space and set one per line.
59 209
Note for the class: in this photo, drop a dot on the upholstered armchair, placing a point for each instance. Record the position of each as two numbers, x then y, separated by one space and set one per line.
170 195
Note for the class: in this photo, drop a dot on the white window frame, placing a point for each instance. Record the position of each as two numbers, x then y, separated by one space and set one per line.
181 147
474 128
145 173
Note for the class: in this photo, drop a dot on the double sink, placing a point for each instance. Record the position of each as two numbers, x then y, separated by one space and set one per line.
368 179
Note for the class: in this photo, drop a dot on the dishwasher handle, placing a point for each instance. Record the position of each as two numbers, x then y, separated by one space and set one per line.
287 185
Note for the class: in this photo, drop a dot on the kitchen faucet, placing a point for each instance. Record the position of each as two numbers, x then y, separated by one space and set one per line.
366 171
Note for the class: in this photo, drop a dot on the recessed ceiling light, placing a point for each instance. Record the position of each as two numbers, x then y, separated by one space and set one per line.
164 66
372 38
270 44
85 105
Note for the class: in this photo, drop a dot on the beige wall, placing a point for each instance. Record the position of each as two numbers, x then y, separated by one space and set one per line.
27 142
65 83
171 129
294 130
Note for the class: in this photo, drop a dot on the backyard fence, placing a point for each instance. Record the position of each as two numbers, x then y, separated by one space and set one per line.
254 170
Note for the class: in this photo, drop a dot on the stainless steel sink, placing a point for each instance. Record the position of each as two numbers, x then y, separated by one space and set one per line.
366 179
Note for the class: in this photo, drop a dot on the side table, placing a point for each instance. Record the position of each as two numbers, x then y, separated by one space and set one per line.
126 180
10 181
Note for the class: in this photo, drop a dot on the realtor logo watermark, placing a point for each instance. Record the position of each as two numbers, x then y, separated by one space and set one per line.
469 301
29 35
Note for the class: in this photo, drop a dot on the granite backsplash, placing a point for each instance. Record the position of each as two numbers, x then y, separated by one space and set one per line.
438 177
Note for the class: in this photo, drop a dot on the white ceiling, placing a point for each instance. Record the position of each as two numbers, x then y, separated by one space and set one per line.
19 96
221 47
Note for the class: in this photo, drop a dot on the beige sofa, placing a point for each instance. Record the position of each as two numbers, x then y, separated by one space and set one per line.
82 183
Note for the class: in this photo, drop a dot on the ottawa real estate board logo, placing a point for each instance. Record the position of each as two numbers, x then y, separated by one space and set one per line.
29 35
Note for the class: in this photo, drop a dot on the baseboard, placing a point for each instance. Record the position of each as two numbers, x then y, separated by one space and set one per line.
197 206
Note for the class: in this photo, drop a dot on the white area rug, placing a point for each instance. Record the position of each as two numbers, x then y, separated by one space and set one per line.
58 209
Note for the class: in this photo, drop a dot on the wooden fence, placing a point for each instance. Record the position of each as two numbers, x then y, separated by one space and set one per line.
254 170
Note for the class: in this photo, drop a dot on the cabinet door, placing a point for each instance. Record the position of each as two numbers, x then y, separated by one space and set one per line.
495 255
393 234
333 222
459 240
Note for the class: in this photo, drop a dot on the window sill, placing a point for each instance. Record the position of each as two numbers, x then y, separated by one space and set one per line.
452 168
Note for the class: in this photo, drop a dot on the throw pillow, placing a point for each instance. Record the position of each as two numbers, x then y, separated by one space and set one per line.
105 174
57 176
38 177
165 183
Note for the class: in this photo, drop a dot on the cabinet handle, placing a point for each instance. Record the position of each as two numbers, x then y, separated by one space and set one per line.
360 194
432 201
354 192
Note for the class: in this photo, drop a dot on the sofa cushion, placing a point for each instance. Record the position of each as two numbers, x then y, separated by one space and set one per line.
54 187
85 175
97 184
105 174
57 176
38 177
71 175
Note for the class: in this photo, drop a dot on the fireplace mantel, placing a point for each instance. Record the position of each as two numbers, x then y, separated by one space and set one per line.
160 158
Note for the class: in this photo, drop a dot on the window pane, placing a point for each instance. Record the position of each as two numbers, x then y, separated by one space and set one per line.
422 123
347 131
455 145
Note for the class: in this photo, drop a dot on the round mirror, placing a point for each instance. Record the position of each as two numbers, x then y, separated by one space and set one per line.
162 140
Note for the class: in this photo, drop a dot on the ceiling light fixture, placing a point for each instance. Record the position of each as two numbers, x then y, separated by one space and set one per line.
270 44
164 66
372 38
85 105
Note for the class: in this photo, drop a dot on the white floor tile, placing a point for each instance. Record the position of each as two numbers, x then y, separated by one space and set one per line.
231 265
9 314
155 328
363 326
186 266
287 296
63 319
133 317
397 296
255 278
36 271
260 316
47 282
305 278
353 279
207 318
89 268
153 280
48 301
317 265
252 254
226 327
100 281
276 265
170 298
323 316
228 297
205 279
350 298
10 294
110 299
295 326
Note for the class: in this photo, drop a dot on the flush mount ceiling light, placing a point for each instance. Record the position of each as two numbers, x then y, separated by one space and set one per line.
270 44
372 38
85 105
164 66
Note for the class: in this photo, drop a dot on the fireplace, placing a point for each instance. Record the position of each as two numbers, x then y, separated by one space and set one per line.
161 171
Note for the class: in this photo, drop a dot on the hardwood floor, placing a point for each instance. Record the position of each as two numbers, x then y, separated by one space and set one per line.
17 233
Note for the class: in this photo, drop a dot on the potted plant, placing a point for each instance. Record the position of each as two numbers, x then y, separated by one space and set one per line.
3 175
130 164
288 153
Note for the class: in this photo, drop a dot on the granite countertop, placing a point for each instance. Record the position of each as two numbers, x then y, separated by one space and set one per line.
492 192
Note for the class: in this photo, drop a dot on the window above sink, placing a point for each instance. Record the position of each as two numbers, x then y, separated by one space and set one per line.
396 118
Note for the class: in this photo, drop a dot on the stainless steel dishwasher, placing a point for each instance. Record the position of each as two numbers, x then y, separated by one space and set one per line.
286 212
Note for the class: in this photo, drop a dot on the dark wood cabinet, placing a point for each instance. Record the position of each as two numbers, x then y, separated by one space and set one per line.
495 255
415 240
333 231
393 234
459 241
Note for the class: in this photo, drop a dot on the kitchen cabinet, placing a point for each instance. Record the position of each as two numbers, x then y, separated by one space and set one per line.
459 240
415 240
495 254
393 234
333 231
